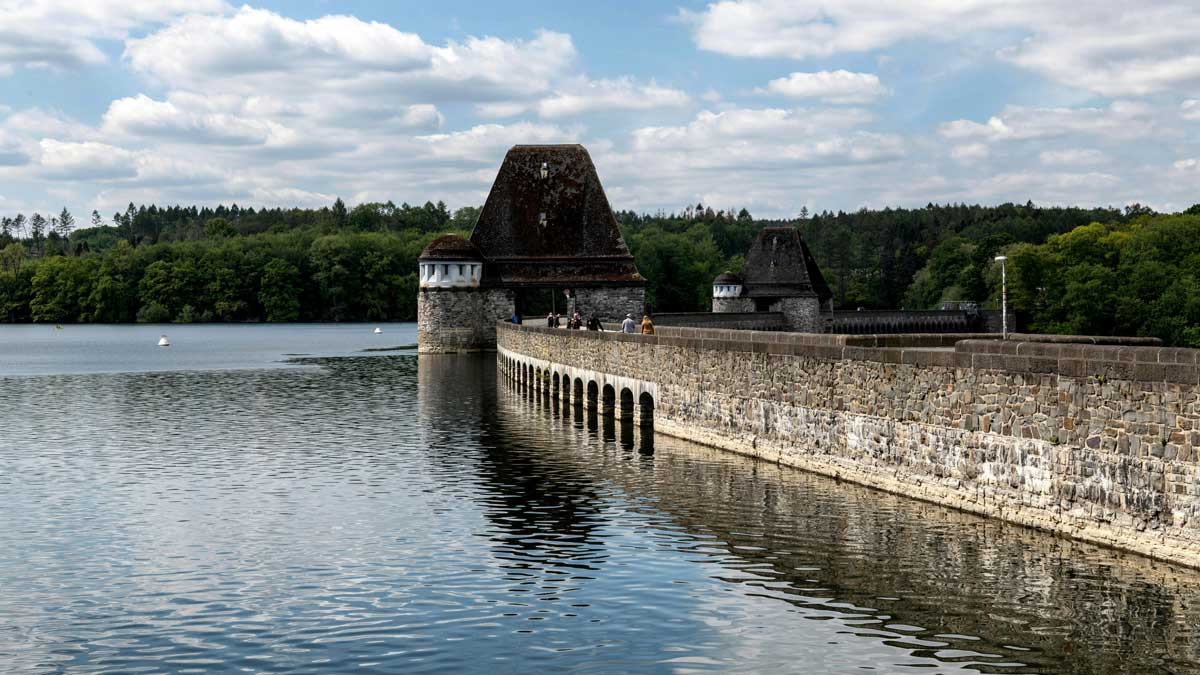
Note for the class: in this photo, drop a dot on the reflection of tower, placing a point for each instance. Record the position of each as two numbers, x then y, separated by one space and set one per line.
453 313
541 510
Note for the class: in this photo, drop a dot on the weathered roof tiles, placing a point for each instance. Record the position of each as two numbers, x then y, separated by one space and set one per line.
779 264
548 221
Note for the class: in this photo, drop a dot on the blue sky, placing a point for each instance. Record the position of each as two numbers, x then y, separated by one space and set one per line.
772 105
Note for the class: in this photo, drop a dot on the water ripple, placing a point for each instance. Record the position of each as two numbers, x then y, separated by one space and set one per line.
403 514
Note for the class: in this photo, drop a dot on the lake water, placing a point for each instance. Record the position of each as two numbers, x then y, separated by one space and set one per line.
213 507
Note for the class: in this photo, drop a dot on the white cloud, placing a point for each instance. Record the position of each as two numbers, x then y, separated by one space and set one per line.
838 86
1187 164
970 152
500 109
290 196
12 150
260 42
143 116
86 161
1121 119
486 143
1072 156
62 35
758 140
259 52
1048 187
1082 43
1190 110
582 96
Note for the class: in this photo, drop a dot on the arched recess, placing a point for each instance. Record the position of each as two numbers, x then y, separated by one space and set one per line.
646 409
577 393
593 395
608 400
626 409
554 385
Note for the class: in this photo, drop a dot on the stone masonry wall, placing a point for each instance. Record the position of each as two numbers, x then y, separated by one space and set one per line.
722 305
611 304
1094 442
460 320
803 314
735 320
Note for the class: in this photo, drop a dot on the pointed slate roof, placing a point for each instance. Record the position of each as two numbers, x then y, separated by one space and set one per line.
779 264
547 221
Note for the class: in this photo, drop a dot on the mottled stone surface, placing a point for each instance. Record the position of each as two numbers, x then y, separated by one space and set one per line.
460 320
771 321
611 304
725 305
1094 442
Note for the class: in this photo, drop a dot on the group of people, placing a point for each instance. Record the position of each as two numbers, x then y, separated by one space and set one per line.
576 322
631 326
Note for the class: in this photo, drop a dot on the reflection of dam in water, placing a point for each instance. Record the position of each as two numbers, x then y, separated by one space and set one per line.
928 581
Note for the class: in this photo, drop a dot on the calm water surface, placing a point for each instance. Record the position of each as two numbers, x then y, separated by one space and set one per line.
225 510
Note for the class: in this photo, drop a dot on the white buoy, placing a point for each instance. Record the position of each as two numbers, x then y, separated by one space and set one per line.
378 330
163 341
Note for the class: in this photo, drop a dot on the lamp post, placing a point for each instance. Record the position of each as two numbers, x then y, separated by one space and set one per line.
1003 296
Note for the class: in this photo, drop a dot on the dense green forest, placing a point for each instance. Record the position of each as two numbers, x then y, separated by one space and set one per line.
1101 271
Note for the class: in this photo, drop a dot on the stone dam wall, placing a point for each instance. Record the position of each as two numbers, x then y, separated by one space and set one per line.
732 320
1097 442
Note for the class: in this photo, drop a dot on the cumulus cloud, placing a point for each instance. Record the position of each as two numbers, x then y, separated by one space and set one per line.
257 51
838 86
1121 119
486 143
584 96
88 160
759 138
144 116
12 151
970 152
1082 43
1072 156
62 35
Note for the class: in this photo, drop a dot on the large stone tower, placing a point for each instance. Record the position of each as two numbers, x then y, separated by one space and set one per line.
780 275
546 228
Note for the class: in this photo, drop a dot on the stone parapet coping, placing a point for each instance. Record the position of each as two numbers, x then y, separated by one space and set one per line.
1138 359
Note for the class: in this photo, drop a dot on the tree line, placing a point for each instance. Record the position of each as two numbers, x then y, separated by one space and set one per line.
1101 270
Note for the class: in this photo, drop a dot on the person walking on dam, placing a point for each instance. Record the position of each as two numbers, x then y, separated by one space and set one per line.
628 325
647 325
593 323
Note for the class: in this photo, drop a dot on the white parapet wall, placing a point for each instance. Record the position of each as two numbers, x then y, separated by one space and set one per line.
450 274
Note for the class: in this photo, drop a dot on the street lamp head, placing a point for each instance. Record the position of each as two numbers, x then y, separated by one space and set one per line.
1001 258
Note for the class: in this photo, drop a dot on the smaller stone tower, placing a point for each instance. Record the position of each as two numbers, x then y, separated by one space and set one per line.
727 294
782 276
453 313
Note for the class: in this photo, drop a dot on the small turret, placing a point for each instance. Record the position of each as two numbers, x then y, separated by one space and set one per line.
450 261
453 313
727 285
728 294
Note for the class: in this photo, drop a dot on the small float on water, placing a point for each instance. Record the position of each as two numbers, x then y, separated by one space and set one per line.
163 341
378 331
